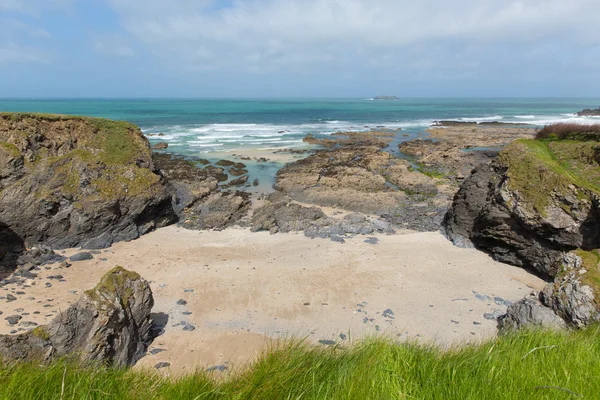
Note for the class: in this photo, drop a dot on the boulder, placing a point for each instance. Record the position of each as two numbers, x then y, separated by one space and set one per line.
529 313
537 201
65 180
160 146
109 324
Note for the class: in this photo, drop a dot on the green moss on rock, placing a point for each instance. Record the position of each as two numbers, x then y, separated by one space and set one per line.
11 149
539 169
113 285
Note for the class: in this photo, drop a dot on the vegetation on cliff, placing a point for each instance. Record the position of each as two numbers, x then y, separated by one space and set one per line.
67 179
528 364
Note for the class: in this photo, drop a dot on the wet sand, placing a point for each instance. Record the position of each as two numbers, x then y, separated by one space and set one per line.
245 289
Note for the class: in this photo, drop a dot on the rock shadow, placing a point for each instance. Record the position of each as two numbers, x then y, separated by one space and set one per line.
159 322
11 246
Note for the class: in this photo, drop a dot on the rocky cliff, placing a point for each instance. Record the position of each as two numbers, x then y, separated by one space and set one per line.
109 324
532 207
69 181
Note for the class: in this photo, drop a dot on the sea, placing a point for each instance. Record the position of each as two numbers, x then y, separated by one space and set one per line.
201 127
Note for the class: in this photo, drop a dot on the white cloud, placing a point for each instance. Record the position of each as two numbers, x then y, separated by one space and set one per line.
113 45
14 53
32 7
263 35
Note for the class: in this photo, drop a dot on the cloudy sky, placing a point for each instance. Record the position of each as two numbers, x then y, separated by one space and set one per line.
299 48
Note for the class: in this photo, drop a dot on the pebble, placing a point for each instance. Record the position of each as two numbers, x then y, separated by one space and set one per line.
326 342
372 240
220 368
181 302
388 314
156 351
189 327
343 336
13 319
84 255
162 365
10 297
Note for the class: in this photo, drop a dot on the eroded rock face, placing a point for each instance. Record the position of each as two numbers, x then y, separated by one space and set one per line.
528 210
529 313
108 324
571 300
281 214
65 180
569 296
197 198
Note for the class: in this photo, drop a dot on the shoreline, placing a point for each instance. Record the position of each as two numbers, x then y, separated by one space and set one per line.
251 288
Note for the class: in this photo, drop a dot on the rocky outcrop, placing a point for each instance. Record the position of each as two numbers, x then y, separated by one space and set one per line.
589 113
456 148
65 180
529 313
197 198
573 299
109 324
281 214
537 201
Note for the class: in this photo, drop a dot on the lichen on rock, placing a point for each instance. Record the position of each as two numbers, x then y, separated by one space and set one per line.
65 180
109 324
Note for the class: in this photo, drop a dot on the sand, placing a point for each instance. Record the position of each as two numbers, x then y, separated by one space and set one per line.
245 289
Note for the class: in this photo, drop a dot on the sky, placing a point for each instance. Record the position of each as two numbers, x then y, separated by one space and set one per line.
299 48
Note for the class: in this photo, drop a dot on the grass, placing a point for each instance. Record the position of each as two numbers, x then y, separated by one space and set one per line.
562 131
524 365
539 168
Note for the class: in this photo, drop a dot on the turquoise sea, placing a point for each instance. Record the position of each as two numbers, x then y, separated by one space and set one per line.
200 127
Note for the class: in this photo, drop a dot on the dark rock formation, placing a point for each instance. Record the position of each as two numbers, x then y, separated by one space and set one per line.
160 146
280 214
217 211
534 203
589 113
571 300
108 324
528 313
197 198
65 180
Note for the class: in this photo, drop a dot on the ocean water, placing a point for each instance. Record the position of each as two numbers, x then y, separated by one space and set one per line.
201 127
195 127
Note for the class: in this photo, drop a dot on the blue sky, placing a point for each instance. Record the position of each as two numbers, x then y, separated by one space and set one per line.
299 48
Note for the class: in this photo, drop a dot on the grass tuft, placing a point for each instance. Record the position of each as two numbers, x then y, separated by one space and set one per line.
562 131
523 365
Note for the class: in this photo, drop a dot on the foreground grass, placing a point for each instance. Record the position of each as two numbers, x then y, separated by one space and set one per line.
528 365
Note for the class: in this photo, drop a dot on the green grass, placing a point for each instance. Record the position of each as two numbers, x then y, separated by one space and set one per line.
539 168
525 365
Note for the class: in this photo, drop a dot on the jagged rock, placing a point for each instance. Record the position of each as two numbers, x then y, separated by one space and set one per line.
81 256
572 299
64 180
589 113
529 312
160 146
238 182
280 214
526 209
217 211
196 196
102 241
39 255
108 324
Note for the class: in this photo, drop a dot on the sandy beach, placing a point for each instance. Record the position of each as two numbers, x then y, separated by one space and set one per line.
242 290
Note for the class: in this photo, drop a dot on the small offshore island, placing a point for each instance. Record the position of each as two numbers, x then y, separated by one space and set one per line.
116 254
